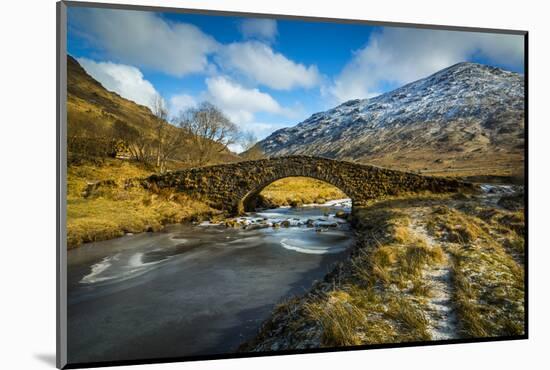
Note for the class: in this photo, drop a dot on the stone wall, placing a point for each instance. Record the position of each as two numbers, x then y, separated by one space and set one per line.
233 187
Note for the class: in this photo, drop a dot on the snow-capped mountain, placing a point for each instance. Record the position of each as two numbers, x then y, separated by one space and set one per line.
464 112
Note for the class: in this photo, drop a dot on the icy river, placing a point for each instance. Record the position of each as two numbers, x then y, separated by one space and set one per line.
196 289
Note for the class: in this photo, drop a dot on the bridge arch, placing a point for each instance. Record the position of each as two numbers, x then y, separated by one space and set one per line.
249 201
229 186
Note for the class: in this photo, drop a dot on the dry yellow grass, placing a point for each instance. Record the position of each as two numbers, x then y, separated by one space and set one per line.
92 111
113 210
488 274
382 294
350 316
373 298
119 171
451 164
300 190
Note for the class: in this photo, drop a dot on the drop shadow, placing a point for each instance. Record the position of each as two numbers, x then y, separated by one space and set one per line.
46 358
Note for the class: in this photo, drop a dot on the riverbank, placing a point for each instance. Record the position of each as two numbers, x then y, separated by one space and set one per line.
216 282
101 207
423 268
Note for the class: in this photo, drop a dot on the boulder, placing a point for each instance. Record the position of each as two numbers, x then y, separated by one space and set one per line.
341 214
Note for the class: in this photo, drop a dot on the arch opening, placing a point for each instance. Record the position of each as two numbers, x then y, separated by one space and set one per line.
292 191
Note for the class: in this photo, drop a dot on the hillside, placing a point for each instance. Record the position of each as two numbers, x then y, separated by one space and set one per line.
88 102
112 209
467 119
92 110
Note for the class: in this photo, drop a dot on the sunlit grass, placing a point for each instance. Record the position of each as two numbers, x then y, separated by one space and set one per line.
487 267
381 294
300 190
112 210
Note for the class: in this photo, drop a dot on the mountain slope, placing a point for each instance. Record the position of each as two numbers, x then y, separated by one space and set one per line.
92 111
467 118
90 104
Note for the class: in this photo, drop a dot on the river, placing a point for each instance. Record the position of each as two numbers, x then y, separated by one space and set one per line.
196 289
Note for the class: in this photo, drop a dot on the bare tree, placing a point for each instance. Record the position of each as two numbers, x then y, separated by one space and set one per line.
138 143
173 141
161 113
210 130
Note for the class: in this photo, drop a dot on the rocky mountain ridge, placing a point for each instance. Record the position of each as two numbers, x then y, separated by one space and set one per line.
468 115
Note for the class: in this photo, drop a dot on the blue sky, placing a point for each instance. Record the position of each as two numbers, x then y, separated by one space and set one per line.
265 74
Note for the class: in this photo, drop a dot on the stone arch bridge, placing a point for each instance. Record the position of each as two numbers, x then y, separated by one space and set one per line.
234 186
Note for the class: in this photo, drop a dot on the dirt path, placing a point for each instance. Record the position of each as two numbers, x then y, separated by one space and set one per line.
459 281
441 312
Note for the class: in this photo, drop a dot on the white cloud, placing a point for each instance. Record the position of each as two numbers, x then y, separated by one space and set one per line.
402 55
262 65
241 104
125 80
238 102
262 29
181 102
146 40
236 148
259 129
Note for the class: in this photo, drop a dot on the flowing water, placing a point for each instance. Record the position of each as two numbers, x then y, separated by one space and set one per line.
196 289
